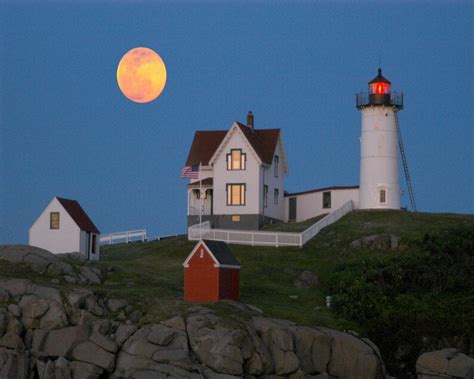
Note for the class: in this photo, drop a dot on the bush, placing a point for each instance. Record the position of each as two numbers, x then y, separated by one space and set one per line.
412 302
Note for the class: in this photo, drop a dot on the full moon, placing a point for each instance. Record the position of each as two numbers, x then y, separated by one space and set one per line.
141 75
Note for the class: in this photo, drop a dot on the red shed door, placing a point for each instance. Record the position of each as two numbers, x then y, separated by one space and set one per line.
201 278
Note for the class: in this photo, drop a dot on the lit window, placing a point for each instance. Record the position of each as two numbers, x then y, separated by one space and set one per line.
383 196
379 88
236 160
275 196
54 220
327 199
265 195
235 194
275 164
235 218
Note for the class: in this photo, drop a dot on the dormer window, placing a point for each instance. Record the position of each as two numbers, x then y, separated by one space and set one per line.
54 220
275 165
236 160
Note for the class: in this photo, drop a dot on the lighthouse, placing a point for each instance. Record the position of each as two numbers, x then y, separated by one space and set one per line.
379 186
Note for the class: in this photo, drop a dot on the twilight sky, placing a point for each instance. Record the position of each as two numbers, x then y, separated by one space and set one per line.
67 130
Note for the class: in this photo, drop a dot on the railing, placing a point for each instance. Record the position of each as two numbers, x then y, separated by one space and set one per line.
128 236
331 218
363 99
194 211
257 238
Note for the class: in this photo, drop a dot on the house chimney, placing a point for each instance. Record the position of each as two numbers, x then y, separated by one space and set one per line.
250 120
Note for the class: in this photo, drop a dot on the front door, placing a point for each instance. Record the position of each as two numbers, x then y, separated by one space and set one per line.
292 209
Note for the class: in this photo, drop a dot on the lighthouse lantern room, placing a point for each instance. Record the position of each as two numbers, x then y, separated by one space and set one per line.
379 177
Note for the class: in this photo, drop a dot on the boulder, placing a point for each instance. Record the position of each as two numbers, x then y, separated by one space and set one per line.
306 279
13 364
115 305
161 335
61 342
40 260
3 322
104 342
82 370
32 308
77 297
447 363
123 332
377 241
215 347
91 353
15 326
176 322
4 295
15 310
352 357
62 369
12 341
55 317
92 275
15 287
313 349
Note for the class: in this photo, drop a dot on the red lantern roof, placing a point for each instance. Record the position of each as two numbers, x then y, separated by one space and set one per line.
379 85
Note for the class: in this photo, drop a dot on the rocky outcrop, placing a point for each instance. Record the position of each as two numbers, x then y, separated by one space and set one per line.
377 241
42 261
49 335
444 364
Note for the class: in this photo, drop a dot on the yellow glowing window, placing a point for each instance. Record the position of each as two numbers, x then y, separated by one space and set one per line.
236 160
54 220
235 194
235 218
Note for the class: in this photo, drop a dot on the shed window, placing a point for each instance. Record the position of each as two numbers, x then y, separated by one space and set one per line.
236 160
54 220
235 194
327 199
94 242
383 196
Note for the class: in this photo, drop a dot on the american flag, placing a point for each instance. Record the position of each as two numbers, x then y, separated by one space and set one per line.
191 172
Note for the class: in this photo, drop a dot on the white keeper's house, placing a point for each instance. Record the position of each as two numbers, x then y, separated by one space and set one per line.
64 227
240 174
237 176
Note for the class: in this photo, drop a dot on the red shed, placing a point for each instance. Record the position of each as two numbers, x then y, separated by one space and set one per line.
211 273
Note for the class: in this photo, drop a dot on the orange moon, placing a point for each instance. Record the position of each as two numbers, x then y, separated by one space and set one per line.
141 75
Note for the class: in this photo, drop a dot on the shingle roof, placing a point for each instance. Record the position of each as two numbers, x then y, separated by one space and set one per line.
263 141
78 215
206 142
222 253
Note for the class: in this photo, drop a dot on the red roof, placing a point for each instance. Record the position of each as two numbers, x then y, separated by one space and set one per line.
333 188
205 144
78 215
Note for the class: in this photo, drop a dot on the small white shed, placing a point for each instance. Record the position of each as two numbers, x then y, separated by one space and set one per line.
64 227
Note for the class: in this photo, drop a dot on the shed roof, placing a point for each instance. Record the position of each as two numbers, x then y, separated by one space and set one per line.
221 252
78 214
333 188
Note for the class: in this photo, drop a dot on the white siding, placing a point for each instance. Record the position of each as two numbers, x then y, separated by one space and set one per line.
249 177
310 205
66 239
276 211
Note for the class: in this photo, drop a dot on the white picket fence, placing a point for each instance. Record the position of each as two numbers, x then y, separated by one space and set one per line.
260 238
127 236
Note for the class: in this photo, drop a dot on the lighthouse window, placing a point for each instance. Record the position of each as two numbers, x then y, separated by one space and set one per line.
327 199
383 196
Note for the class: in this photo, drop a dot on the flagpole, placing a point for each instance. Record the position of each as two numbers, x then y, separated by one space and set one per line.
200 195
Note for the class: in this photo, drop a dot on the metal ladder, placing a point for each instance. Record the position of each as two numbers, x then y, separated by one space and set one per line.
405 165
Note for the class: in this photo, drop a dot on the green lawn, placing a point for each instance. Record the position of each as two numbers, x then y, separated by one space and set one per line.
150 274
293 227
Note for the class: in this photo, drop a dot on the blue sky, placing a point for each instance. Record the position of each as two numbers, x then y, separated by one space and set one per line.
67 130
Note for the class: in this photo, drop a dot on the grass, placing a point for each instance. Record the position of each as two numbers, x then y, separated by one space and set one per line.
293 227
150 275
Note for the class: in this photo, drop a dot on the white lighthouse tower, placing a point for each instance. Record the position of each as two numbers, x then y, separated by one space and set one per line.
379 178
